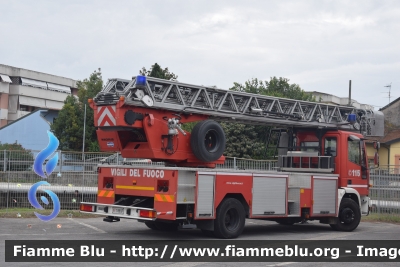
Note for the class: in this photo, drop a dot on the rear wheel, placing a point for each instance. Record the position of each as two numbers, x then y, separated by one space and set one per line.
349 216
230 219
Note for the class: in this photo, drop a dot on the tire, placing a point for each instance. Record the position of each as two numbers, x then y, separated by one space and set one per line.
230 219
349 216
208 140
151 225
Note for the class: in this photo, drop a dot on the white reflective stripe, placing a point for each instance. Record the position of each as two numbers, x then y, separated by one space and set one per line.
269 175
106 112
234 173
165 213
356 185
5 78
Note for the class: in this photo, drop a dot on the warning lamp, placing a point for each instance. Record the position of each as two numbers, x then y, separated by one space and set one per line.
147 213
90 100
84 207
351 118
140 81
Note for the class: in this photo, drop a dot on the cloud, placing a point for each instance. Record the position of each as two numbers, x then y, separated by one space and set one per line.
317 44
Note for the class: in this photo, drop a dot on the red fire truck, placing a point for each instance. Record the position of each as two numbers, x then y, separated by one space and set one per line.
322 172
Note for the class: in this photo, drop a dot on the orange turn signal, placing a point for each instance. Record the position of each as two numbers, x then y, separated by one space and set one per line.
90 100
121 98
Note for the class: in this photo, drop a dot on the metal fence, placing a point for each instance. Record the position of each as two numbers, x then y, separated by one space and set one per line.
385 190
75 178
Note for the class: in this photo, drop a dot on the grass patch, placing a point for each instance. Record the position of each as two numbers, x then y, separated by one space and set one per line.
389 218
29 213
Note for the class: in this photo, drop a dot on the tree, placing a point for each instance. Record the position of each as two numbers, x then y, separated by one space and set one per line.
157 72
18 158
249 141
68 127
278 87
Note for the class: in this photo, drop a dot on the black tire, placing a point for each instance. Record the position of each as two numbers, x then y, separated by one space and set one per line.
208 233
167 227
349 216
208 140
151 225
230 219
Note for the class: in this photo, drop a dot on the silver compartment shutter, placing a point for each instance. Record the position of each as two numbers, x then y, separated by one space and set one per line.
205 196
269 196
324 196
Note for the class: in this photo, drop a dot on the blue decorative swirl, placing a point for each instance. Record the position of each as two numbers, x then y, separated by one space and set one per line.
44 154
32 199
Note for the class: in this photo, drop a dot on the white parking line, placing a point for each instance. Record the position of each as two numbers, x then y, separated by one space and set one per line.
330 236
88 225
39 234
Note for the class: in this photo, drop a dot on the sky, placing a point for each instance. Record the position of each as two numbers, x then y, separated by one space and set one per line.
319 45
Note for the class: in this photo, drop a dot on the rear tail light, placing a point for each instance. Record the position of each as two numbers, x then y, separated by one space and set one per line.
147 213
89 208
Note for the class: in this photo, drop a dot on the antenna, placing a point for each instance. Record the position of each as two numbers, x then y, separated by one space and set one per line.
390 88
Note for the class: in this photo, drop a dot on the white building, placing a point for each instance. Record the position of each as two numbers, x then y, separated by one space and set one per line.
341 101
24 91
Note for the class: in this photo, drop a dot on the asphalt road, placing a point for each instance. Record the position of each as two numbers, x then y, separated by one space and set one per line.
96 229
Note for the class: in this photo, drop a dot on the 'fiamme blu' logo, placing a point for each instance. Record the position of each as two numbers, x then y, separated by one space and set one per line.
44 172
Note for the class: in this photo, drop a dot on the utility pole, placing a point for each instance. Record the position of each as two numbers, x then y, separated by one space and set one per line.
349 92
84 131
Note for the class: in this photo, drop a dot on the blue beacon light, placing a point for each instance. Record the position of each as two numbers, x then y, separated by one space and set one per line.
351 118
141 80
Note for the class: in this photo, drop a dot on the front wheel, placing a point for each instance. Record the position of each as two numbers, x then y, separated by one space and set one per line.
230 219
349 216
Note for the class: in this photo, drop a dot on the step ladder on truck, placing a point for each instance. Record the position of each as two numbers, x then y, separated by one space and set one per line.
322 171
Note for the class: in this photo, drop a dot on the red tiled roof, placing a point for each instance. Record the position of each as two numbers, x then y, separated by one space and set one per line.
390 137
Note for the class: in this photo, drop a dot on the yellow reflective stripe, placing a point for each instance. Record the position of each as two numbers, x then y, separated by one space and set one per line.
164 198
105 193
131 187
